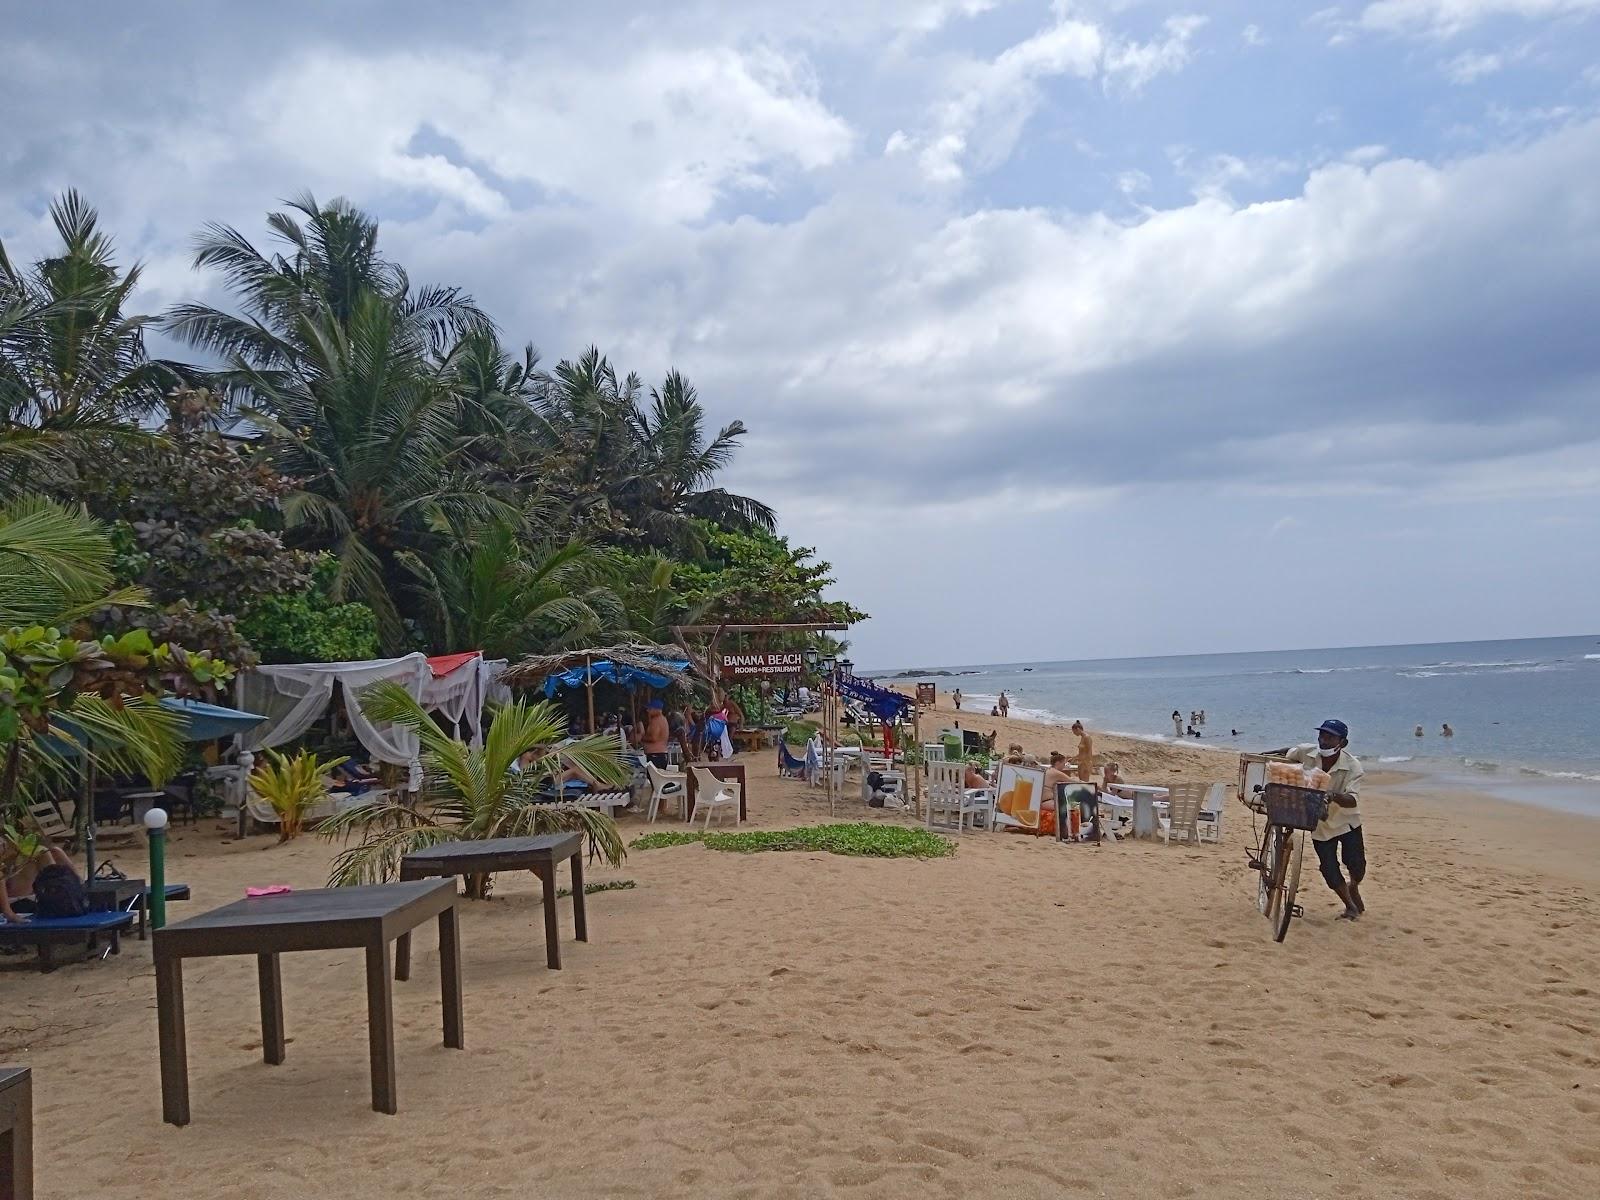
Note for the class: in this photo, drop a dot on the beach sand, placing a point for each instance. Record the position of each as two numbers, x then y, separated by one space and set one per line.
1025 1019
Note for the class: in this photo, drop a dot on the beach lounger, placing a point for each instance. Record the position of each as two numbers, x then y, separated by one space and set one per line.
788 764
46 933
606 802
1183 812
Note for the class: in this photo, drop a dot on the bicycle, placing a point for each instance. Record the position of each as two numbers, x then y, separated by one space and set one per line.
1280 845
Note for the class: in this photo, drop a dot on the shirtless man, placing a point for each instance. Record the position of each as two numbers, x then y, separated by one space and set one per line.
656 734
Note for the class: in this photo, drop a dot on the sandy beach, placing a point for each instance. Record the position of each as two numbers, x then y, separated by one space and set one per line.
1025 1019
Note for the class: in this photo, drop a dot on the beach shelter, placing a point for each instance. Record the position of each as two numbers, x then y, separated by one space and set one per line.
204 722
633 665
293 696
459 686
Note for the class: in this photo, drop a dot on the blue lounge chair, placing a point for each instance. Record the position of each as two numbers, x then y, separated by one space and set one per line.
788 764
45 933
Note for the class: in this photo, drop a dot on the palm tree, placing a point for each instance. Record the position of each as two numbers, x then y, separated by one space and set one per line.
344 365
361 418
509 597
73 367
475 794
681 464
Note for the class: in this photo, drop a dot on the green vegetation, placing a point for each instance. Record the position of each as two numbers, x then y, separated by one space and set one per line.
589 889
861 839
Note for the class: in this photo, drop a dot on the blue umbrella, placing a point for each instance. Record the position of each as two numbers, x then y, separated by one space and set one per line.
204 722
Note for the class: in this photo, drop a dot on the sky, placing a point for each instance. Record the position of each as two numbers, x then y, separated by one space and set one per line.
1063 330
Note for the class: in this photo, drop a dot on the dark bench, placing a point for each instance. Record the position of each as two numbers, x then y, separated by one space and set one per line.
45 933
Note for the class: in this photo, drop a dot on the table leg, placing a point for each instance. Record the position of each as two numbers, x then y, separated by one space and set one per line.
580 915
144 912
270 981
552 944
450 978
380 1028
170 1033
402 945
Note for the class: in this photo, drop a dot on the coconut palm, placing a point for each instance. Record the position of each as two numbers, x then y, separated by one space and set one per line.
73 367
509 597
475 794
681 464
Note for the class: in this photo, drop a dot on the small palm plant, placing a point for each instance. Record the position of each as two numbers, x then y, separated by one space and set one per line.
293 786
474 793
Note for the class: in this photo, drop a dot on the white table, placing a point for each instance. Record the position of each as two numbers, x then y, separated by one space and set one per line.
1144 797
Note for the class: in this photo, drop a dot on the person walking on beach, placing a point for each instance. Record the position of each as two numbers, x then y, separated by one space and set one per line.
1339 836
1085 752
1003 704
956 696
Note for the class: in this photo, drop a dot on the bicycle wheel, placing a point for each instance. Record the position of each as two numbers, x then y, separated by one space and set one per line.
1266 877
1291 883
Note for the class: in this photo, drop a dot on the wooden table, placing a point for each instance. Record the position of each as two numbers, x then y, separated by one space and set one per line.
537 854
734 772
368 918
752 739
16 1133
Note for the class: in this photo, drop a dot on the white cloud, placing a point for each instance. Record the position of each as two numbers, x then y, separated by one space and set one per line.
1444 18
1470 66
691 126
989 102
1251 35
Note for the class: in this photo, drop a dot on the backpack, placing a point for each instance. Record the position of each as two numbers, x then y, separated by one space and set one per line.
58 892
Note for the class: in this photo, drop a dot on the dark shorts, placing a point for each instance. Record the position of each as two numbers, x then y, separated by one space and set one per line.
1348 847
659 760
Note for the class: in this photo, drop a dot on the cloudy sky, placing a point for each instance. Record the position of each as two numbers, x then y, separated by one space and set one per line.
1063 329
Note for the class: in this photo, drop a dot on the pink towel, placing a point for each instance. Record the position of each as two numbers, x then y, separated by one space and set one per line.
272 889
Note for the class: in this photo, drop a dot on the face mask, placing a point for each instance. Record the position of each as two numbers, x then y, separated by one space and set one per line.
1328 751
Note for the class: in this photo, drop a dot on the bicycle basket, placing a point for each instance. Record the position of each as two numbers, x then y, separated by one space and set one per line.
1296 807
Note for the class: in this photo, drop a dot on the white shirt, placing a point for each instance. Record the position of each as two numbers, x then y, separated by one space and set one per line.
1344 776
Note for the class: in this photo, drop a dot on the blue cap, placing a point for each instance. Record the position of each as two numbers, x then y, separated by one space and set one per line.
1338 728
656 704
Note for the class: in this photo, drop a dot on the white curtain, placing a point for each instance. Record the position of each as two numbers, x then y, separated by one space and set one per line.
292 697
458 698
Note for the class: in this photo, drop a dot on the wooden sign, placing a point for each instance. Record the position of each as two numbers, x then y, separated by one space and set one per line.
926 694
768 664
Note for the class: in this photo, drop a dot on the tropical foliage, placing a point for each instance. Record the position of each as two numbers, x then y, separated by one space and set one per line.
475 793
293 785
355 464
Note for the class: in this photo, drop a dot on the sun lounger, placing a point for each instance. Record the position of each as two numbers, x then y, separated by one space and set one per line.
45 933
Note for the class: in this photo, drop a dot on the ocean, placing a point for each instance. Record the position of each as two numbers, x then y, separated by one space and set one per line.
1524 712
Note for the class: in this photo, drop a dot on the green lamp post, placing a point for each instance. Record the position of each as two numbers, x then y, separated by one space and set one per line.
155 825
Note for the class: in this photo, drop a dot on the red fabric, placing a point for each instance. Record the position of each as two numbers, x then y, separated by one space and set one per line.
443 664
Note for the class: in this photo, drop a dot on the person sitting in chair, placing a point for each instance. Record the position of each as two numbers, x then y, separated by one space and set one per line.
56 887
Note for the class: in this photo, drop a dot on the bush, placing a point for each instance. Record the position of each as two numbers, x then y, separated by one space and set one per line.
307 626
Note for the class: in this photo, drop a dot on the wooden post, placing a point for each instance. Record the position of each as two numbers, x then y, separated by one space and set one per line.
588 681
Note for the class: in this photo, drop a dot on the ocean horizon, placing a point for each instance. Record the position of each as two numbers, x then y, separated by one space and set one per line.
1522 710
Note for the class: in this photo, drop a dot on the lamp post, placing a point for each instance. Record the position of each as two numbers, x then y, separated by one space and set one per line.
155 825
830 722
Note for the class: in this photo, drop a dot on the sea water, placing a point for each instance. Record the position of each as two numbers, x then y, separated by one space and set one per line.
1525 713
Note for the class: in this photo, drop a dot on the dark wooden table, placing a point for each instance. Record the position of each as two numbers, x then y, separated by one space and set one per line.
111 895
368 918
16 1133
541 855
722 770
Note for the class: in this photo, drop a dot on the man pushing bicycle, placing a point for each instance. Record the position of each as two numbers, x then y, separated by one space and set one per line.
1338 836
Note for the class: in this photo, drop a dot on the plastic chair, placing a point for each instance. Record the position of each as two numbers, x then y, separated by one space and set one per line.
714 795
1183 812
666 785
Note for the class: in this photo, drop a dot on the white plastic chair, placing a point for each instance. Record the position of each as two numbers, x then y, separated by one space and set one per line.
1183 812
948 797
713 795
932 752
1211 813
666 785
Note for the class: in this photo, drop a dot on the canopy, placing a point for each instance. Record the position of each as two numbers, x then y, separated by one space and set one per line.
203 722
657 660
458 687
294 695
628 676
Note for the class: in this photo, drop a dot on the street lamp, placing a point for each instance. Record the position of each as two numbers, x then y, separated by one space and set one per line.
155 826
847 668
828 664
811 657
